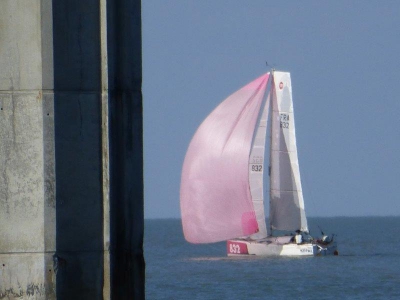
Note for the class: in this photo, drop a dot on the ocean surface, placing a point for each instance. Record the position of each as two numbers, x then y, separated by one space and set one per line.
368 265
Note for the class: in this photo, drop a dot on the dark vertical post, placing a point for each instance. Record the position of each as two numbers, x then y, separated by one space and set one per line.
78 149
126 148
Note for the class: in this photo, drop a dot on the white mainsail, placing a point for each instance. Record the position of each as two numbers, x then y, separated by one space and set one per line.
286 196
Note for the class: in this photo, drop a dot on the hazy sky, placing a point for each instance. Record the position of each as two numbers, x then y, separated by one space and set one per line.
344 62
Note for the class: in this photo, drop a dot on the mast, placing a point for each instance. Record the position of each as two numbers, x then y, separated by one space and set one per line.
270 146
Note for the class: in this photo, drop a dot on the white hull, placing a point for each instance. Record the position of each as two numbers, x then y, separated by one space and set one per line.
271 248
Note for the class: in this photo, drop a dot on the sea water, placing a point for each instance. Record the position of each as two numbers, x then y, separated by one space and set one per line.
368 265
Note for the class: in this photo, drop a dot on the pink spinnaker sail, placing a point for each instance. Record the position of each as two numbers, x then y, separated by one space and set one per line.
216 202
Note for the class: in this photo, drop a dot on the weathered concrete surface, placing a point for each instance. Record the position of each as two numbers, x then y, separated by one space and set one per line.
27 207
23 276
27 223
21 181
21 58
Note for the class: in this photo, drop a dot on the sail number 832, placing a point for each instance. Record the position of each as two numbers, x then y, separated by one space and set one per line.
284 120
256 168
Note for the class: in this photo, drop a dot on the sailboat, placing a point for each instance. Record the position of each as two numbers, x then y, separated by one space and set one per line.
222 184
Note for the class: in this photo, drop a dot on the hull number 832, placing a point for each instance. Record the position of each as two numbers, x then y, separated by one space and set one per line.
234 248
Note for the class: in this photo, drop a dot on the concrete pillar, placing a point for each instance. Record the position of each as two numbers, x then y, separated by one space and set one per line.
71 167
